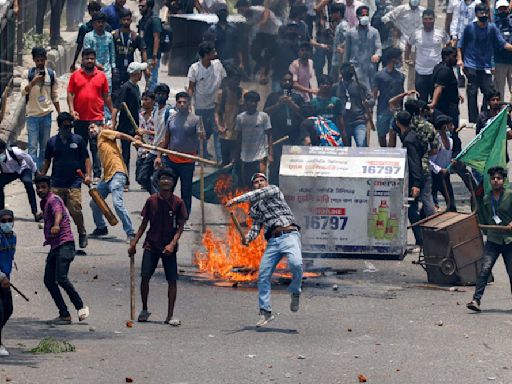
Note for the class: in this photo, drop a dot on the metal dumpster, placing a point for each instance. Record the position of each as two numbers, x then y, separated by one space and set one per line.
452 248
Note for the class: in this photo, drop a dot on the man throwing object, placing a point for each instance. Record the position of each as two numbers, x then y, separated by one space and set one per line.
269 210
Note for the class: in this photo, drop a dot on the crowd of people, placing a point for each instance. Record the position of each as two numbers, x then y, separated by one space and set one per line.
327 63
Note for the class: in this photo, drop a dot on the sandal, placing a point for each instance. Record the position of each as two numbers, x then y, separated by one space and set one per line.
59 321
173 322
83 313
143 316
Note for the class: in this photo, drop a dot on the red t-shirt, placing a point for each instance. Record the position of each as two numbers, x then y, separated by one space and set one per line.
88 91
164 216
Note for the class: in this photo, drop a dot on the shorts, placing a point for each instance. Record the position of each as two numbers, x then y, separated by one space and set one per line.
150 262
72 198
383 123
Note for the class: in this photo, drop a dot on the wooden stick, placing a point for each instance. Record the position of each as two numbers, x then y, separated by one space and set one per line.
19 292
237 226
201 176
163 150
460 128
503 228
132 287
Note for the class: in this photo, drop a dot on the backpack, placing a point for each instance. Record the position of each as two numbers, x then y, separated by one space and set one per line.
327 132
13 156
32 74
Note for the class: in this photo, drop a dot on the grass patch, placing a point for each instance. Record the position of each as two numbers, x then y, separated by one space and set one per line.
50 345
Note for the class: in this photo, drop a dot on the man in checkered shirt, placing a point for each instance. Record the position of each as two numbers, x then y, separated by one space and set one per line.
269 210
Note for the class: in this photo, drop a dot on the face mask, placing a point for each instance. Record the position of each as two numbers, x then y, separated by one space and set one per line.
161 99
483 19
3 156
6 227
414 3
364 21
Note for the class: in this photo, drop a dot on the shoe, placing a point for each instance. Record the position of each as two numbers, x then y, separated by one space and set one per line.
96 180
38 217
265 318
99 232
187 227
129 238
3 351
82 240
126 188
83 313
173 322
295 303
474 305
143 316
59 321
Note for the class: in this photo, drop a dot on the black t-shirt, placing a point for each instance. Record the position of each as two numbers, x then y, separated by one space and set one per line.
129 94
146 27
448 102
389 85
67 157
284 121
307 129
285 53
125 45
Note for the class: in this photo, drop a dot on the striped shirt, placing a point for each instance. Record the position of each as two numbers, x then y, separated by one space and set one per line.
268 209
50 206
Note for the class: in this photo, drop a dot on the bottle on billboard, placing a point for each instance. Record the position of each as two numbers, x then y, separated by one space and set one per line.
372 220
392 227
382 220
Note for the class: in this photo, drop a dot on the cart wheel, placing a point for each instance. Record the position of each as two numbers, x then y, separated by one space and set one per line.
447 267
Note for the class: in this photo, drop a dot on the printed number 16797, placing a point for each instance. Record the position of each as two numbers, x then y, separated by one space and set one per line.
386 169
326 222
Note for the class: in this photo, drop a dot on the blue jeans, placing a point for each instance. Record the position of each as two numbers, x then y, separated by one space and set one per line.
359 134
491 253
115 186
153 79
38 128
208 117
287 245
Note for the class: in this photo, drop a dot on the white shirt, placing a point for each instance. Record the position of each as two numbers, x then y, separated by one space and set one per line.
428 49
207 81
252 130
461 16
10 165
406 19
443 157
350 12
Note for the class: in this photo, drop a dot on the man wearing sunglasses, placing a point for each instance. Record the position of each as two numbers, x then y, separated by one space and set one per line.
496 209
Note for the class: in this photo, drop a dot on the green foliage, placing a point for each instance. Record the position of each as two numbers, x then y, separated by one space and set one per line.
50 345
32 39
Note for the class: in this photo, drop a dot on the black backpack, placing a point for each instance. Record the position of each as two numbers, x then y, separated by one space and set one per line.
32 74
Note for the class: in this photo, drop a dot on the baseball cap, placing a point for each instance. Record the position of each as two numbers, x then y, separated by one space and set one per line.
258 174
502 3
136 67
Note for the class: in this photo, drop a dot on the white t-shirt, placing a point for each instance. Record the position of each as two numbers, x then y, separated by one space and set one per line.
428 49
207 81
443 157
252 129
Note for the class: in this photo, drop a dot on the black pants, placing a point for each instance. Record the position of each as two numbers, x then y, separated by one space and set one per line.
56 274
56 7
491 253
320 57
26 179
82 129
144 170
228 150
118 79
276 164
424 86
263 49
414 216
126 151
6 308
437 186
477 79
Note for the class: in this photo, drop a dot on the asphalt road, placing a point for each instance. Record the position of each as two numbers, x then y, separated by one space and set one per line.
384 325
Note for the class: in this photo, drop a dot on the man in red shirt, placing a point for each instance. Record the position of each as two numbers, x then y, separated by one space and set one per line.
87 94
166 214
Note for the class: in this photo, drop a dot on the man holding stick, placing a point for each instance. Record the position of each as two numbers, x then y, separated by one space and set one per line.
166 215
270 210
114 179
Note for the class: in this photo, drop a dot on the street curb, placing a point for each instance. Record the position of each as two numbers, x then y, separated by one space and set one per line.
14 122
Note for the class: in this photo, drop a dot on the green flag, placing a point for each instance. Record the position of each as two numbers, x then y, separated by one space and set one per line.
488 148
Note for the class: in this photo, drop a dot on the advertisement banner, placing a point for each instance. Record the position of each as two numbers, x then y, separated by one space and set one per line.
347 200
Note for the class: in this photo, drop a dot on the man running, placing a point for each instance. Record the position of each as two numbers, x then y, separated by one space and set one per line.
270 210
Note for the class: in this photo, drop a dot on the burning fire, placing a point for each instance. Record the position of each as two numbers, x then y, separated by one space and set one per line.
225 257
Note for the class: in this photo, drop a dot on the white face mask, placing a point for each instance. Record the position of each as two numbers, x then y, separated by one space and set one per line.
6 227
364 21
414 3
3 156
